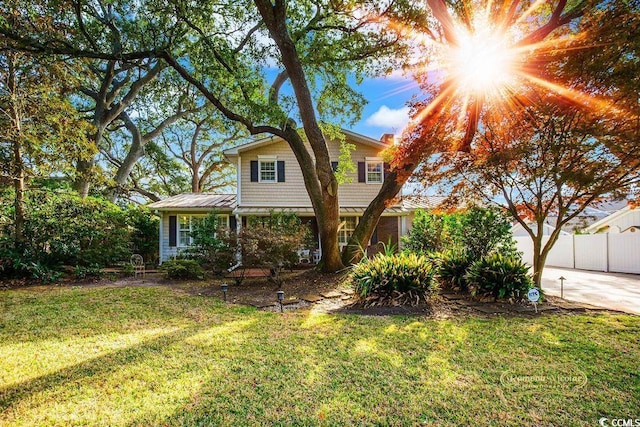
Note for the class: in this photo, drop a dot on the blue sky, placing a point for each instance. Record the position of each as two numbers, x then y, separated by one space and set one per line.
387 110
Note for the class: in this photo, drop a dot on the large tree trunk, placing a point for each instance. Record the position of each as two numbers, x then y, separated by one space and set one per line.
322 185
392 185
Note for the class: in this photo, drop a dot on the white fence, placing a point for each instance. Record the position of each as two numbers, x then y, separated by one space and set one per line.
619 253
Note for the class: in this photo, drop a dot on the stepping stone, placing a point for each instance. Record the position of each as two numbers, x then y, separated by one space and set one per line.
345 297
261 304
453 297
489 309
290 301
332 294
348 291
312 298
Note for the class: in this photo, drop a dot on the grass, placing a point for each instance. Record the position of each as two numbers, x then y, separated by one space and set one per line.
153 356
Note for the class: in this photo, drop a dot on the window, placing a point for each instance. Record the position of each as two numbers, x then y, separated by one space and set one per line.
374 172
346 229
267 171
186 224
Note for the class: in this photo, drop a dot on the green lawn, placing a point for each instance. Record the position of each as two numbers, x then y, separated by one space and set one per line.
153 356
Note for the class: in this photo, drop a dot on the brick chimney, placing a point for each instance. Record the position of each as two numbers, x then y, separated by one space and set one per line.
388 138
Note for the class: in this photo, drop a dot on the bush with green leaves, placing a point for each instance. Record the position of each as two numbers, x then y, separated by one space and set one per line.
499 276
63 229
273 241
145 233
213 243
477 231
402 277
182 269
452 268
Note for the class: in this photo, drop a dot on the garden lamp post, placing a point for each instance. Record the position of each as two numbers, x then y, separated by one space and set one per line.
562 279
225 288
280 299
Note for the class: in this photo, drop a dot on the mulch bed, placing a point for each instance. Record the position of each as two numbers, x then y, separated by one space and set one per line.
322 292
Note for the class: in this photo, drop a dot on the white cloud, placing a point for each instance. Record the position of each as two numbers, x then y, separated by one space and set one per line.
387 117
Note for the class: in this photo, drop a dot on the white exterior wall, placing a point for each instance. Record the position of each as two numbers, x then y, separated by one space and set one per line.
292 192
623 222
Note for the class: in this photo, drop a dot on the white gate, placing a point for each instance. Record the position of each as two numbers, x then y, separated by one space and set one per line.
619 253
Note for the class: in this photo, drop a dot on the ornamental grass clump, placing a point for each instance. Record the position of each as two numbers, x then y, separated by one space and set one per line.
394 279
499 276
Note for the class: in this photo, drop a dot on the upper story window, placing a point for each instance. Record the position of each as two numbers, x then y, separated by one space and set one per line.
268 171
375 171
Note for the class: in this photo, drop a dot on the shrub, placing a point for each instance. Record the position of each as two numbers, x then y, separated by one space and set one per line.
273 241
499 276
92 271
182 269
452 268
403 277
477 231
213 243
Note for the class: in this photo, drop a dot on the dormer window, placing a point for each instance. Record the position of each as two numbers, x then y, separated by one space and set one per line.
375 171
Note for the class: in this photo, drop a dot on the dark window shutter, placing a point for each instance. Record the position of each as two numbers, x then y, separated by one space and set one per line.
233 224
386 167
173 230
334 166
362 172
254 171
280 170
374 236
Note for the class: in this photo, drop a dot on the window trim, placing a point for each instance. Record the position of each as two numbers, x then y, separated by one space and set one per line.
268 159
341 229
179 229
372 161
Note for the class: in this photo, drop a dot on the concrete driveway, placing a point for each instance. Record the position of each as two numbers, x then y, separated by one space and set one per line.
616 291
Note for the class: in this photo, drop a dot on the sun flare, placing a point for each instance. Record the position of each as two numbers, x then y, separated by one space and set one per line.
482 61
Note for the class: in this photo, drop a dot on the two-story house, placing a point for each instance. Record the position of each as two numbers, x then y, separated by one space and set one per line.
270 179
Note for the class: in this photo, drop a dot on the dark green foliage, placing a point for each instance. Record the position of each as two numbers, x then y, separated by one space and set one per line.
145 233
182 269
482 231
453 266
273 241
63 229
92 271
476 231
388 277
429 232
499 276
213 244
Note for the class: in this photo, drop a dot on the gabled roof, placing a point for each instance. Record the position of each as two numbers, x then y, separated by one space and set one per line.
207 201
422 202
606 220
273 139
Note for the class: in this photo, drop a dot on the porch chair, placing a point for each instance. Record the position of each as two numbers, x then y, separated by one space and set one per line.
137 262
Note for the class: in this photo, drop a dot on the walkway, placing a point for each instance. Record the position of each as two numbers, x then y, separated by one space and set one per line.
615 291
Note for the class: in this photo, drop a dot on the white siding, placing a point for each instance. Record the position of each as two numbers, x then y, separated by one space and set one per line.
292 192
623 222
